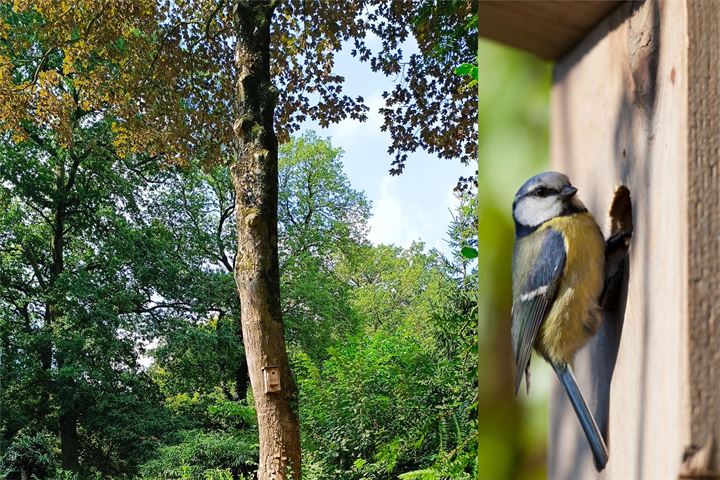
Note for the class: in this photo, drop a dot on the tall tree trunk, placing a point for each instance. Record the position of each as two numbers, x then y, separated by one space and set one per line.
45 353
69 441
65 389
257 272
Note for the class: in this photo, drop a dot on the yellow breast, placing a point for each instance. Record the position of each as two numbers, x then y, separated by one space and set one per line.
575 315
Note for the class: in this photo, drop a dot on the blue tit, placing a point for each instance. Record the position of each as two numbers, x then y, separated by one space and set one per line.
558 273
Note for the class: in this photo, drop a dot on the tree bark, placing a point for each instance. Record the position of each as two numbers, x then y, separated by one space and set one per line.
69 441
67 417
257 273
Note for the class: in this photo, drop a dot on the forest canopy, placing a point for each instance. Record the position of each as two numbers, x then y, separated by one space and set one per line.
121 350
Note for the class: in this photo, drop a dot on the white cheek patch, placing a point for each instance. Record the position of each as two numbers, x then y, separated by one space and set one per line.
533 211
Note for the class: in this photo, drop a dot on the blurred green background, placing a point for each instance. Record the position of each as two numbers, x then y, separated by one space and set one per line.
513 114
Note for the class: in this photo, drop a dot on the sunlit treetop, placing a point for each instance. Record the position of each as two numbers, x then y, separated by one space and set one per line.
66 64
163 72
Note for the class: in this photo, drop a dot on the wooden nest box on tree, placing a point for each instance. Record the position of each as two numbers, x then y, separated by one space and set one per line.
636 102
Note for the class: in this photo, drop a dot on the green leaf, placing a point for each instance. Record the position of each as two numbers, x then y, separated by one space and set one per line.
467 69
469 252
464 69
424 474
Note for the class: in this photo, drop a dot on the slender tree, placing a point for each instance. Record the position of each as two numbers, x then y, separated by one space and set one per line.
322 220
257 270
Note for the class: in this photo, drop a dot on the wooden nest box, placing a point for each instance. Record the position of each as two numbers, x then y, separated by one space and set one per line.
636 102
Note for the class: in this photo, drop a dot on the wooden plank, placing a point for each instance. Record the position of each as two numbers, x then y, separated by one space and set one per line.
620 115
701 393
546 28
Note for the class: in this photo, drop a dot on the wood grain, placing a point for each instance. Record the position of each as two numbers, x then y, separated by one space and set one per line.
621 114
701 393
546 28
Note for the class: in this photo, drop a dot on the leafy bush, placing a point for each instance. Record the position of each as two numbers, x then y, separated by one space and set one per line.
377 407
31 454
205 456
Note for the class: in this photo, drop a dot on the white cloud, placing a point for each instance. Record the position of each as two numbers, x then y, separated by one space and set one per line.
396 221
144 359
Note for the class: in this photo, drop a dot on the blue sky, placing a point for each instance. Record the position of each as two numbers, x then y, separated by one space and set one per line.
412 206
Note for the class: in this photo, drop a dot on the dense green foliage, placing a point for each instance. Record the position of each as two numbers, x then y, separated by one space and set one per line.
399 395
149 338
76 255
322 219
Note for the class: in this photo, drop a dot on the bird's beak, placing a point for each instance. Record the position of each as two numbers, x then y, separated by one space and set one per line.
568 192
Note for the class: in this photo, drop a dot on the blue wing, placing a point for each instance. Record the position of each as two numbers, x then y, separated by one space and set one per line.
534 290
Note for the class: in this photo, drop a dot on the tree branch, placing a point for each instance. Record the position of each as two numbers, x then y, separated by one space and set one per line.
221 249
30 256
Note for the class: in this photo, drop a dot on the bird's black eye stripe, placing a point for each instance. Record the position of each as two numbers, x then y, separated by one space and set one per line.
539 191
542 191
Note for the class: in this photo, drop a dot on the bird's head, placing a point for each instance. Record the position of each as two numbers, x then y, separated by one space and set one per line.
546 195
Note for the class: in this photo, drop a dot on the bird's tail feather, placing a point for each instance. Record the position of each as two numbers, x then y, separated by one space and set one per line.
595 438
